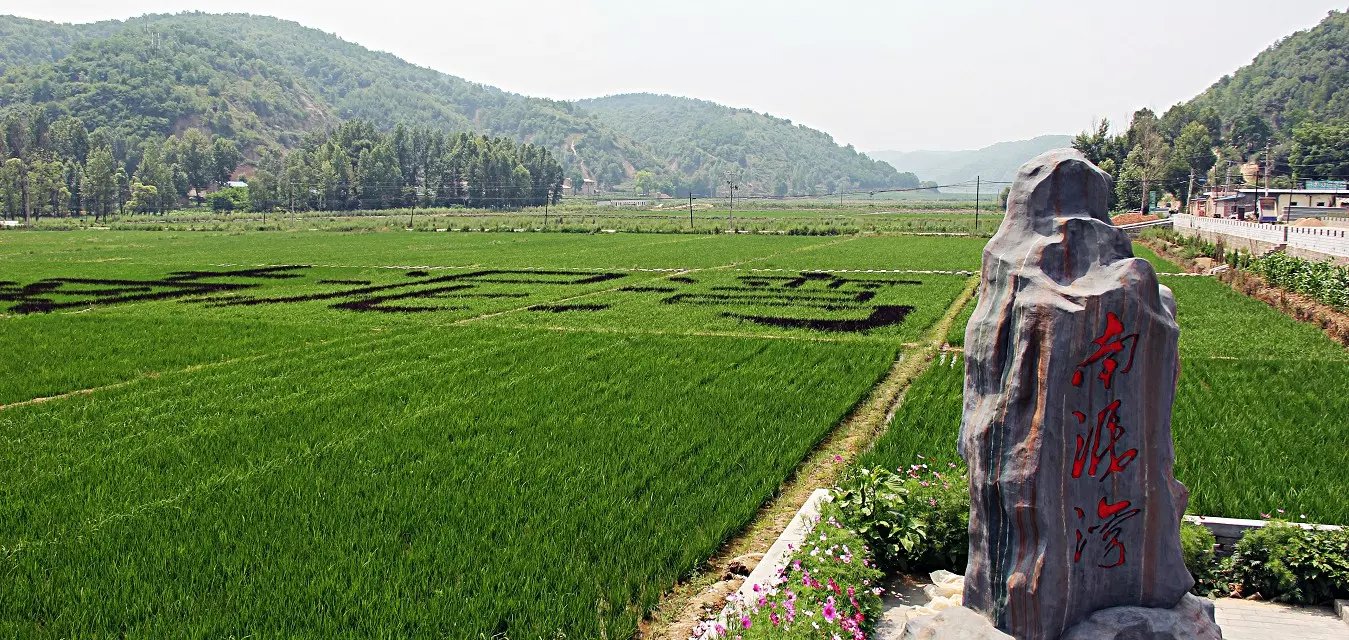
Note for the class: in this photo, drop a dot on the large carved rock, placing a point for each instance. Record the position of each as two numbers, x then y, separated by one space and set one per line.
1071 368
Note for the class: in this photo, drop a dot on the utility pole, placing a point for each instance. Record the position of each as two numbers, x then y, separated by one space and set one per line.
545 208
1261 203
730 219
978 182
690 209
1189 191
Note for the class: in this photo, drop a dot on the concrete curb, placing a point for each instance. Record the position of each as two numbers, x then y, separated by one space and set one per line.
792 537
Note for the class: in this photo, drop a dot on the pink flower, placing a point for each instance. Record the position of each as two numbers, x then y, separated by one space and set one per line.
773 617
838 458
830 613
745 621
757 588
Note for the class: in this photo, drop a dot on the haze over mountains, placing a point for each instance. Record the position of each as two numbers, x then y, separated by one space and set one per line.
267 82
996 162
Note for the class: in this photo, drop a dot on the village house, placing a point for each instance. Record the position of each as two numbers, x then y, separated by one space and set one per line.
1321 199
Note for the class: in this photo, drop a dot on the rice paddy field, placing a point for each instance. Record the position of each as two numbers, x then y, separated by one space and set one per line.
1258 419
414 434
523 435
814 217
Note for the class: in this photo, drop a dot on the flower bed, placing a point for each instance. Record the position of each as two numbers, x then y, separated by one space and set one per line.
830 590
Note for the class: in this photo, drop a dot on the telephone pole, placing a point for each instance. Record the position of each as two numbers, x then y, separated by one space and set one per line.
690 209
730 219
978 182
1189 191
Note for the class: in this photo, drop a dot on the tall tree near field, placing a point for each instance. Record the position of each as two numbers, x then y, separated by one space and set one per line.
100 183
197 160
49 191
1192 154
12 176
152 171
225 158
379 181
1146 163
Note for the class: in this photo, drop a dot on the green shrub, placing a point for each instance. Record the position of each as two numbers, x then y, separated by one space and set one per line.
914 522
1196 545
1286 563
1326 282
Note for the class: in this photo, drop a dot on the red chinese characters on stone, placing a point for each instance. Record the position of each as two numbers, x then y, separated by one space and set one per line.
1110 515
1099 445
1097 454
1109 345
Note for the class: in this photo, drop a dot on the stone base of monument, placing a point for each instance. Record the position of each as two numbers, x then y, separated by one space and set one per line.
1191 619
943 617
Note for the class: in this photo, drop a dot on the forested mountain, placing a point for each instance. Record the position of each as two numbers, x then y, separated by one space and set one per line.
708 142
1288 109
996 162
264 83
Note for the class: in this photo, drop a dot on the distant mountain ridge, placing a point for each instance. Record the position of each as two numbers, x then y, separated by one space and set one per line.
712 142
268 82
996 162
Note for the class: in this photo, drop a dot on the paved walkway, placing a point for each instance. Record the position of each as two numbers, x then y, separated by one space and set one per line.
1251 620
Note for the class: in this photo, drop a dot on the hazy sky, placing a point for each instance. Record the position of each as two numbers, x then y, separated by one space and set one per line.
897 74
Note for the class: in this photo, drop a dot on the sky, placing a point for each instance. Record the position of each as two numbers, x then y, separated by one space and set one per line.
880 75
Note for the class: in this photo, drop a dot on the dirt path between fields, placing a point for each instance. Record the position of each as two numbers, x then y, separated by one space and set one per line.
684 606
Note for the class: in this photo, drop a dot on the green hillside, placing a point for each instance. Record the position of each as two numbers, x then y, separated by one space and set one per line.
266 83
708 142
1303 77
1288 110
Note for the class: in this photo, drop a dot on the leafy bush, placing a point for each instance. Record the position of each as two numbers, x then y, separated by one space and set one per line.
914 522
229 199
1286 563
828 590
1196 546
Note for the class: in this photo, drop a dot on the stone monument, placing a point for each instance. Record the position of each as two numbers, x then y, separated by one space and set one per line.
1071 370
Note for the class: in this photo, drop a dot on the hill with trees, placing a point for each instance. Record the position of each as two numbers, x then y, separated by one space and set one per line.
706 143
996 162
265 83
1288 109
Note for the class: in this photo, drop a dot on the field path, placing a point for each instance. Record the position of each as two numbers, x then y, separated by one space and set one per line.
681 609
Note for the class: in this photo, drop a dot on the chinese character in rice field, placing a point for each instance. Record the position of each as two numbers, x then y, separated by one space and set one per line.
813 290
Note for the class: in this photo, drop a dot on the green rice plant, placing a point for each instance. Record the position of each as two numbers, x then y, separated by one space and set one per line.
926 424
449 482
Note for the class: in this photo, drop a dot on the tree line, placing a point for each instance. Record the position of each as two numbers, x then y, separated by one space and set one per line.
1185 152
357 167
52 165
